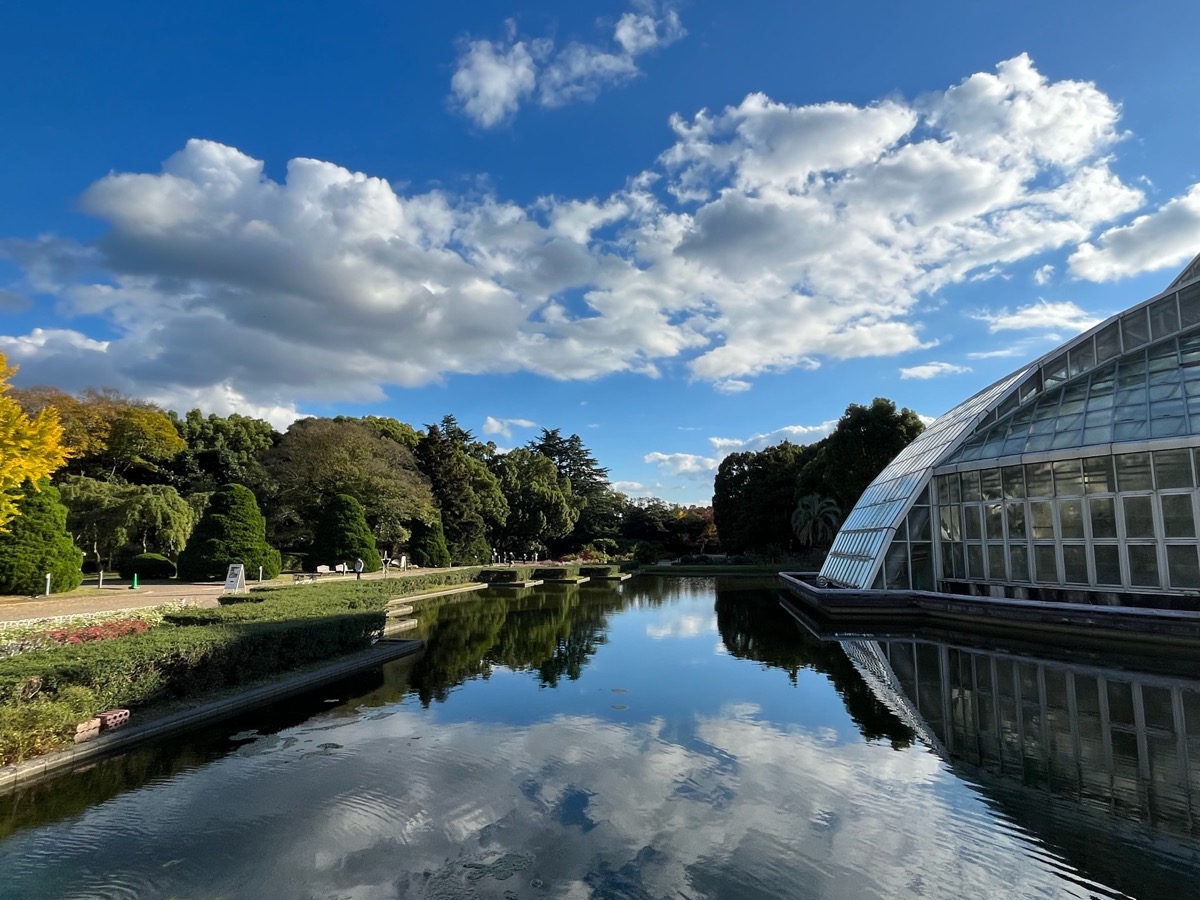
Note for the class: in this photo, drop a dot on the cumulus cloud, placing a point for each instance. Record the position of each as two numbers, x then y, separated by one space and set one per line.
1169 236
335 285
504 427
493 78
1043 315
1043 275
683 463
933 370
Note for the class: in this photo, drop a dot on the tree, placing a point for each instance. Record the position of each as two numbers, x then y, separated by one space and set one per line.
342 535
539 500
754 495
815 520
865 440
220 450
599 507
31 447
444 461
107 518
428 545
37 543
232 530
141 438
317 459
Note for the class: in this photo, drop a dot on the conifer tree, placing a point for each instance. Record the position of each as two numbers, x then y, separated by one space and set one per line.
232 530
37 543
342 535
428 546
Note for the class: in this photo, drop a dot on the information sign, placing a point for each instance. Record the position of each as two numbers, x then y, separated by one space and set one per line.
235 581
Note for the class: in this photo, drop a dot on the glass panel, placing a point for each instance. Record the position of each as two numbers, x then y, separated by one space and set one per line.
970 486
1070 516
1038 480
1018 561
972 529
1173 469
1134 329
1082 358
1014 481
1047 568
1139 520
1177 515
1075 563
975 561
947 560
922 567
1189 306
1103 514
1143 565
1055 371
896 567
1164 317
1068 478
1042 516
1108 563
943 488
1133 472
950 519
1181 565
993 521
1108 343
996 570
918 524
1015 513
1098 475
989 484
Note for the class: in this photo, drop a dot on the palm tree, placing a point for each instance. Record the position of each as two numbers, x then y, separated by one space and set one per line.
815 520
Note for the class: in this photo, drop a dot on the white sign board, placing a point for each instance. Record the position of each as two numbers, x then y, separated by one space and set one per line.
235 581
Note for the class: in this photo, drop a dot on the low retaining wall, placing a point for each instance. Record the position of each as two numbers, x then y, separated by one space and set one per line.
872 611
114 742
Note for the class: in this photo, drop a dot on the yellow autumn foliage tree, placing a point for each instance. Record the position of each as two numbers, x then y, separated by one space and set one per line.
31 447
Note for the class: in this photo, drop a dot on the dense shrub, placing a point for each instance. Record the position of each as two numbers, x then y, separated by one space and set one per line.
40 724
231 531
342 535
147 565
646 554
428 544
599 571
506 575
548 572
36 543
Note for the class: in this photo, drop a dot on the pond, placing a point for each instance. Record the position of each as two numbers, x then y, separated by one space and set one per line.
658 738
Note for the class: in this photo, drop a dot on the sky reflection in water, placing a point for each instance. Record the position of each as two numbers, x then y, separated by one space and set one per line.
662 738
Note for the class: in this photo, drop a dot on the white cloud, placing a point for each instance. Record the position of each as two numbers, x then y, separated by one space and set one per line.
493 78
629 487
933 370
732 386
699 466
1169 236
1043 275
1042 316
336 285
504 427
683 463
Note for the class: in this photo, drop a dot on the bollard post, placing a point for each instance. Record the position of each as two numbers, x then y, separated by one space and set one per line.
100 583
47 584
260 568
133 587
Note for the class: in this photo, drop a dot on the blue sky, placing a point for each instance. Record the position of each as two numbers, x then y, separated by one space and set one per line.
677 230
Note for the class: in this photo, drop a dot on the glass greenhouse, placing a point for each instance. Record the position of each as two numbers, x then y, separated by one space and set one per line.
1074 478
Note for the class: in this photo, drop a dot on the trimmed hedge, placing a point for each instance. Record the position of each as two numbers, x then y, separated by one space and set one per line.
547 572
600 571
147 565
506 575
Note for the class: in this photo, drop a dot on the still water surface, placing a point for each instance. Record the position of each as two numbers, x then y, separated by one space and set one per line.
661 738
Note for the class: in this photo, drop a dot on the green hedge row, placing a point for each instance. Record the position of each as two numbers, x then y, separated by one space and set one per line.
567 571
506 575
600 571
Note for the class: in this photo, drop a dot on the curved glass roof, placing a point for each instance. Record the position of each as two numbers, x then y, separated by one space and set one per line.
1126 379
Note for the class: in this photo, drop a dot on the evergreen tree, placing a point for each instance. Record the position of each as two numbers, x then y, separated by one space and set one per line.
36 543
598 505
232 530
428 546
450 473
342 535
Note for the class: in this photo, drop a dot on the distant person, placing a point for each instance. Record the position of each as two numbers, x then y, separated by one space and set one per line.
358 567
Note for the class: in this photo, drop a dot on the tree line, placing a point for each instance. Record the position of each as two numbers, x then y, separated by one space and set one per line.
135 479
792 496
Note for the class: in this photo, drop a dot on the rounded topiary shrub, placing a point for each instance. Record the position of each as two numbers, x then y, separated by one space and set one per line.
646 554
428 544
232 530
342 535
147 565
37 542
